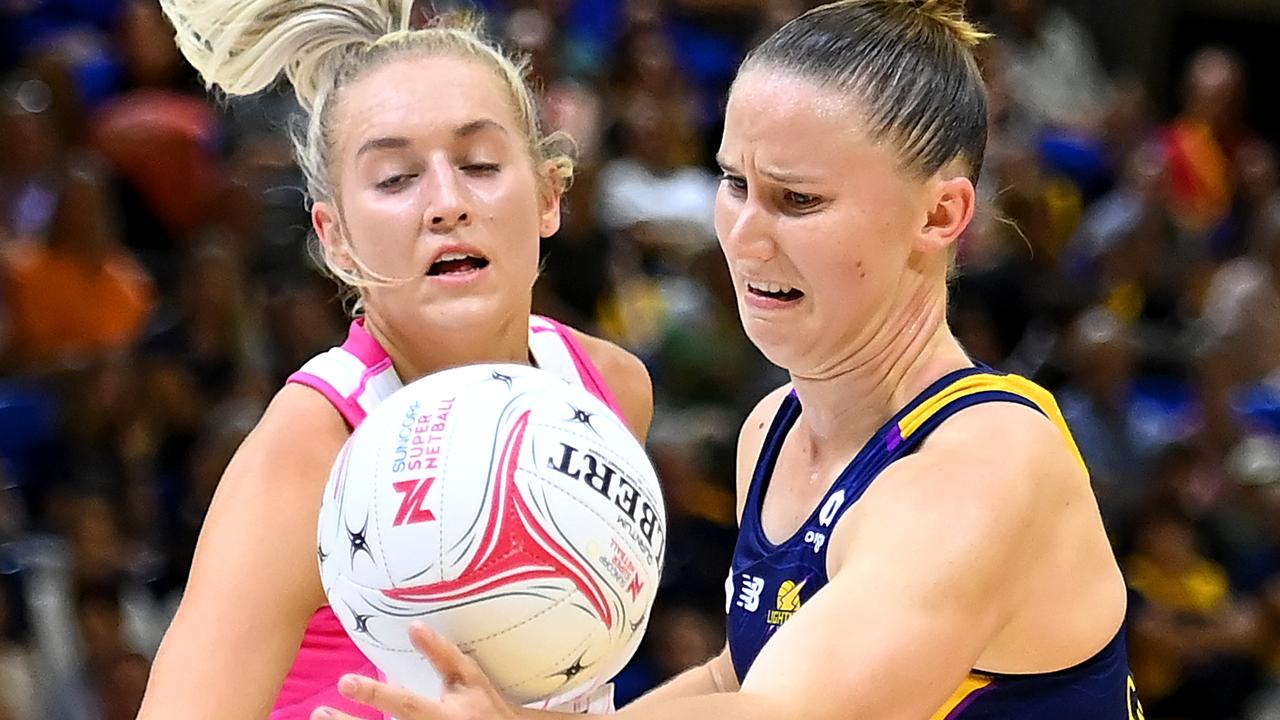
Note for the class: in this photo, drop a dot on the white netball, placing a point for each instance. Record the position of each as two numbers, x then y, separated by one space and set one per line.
507 509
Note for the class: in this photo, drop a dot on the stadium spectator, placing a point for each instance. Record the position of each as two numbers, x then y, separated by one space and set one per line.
80 291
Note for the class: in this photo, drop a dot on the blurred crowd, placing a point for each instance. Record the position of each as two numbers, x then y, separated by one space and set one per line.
156 288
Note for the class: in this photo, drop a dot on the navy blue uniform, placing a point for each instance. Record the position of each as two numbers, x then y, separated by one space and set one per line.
769 583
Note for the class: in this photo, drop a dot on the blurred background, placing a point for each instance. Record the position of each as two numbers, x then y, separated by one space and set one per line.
155 290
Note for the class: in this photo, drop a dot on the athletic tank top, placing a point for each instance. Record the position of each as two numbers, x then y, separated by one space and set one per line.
769 583
355 377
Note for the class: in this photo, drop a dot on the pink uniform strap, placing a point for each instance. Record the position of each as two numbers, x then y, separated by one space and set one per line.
355 377
558 350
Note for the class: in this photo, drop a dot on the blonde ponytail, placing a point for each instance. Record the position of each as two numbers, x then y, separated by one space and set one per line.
242 46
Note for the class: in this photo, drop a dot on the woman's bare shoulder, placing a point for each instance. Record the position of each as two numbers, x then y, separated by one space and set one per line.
627 377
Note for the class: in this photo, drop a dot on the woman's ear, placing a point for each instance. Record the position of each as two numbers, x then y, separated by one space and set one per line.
552 183
328 226
952 204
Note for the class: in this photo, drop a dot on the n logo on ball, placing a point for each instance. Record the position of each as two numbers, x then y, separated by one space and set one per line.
412 510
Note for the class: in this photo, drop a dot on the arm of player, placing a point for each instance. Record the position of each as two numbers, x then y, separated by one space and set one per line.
938 553
894 633
714 676
254 582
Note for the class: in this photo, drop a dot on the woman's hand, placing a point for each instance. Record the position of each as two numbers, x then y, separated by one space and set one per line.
467 693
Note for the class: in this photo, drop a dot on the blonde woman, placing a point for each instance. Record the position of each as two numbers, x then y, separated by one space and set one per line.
431 184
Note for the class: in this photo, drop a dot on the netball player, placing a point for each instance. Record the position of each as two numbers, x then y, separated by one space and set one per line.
431 185
918 536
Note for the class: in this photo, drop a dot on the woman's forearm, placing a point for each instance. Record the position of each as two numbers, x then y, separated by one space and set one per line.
698 680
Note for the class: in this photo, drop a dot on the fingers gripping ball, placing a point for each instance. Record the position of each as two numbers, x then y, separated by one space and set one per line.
506 509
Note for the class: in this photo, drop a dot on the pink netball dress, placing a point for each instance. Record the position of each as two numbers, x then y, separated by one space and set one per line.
355 377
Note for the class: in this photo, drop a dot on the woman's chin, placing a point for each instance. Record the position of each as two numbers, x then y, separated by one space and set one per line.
473 318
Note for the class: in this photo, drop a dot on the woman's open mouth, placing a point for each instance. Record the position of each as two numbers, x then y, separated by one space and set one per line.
457 263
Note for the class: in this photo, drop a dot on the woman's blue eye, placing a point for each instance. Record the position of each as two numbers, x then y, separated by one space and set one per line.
737 183
802 200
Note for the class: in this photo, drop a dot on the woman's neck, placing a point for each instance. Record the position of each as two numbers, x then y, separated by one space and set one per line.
431 351
910 350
